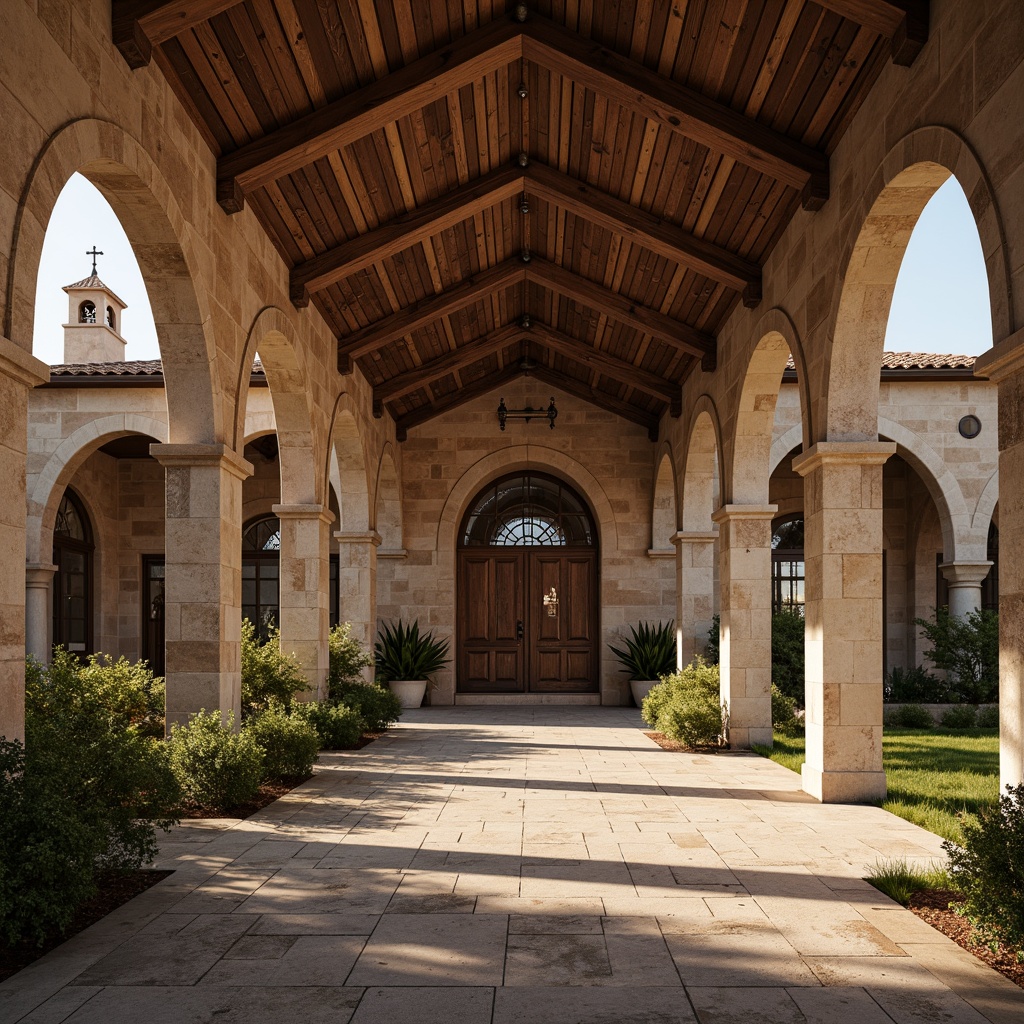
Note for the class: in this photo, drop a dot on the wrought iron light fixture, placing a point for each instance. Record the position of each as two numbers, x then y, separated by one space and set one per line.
527 414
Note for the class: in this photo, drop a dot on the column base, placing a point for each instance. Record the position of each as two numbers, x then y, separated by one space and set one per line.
743 738
842 787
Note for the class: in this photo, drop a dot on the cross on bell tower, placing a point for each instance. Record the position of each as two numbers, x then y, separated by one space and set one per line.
93 331
94 252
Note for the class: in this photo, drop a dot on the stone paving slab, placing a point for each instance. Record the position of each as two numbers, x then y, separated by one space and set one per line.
523 866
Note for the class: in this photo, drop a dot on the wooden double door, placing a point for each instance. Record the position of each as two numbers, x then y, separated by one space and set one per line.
527 620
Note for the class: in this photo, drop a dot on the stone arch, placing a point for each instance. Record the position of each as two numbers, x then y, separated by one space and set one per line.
985 512
906 179
290 394
119 166
387 517
665 502
782 446
702 466
755 414
62 465
349 454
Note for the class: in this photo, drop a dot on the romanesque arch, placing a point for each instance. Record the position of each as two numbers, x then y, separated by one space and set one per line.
664 503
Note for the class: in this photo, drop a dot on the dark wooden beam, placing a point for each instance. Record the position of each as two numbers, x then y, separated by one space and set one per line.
469 59
643 228
677 107
458 397
136 26
584 391
470 352
620 308
903 22
611 366
415 226
419 314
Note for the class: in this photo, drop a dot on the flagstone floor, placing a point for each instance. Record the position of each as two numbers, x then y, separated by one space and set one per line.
537 865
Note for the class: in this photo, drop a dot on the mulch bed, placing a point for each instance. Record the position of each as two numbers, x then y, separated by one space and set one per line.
666 744
933 906
115 889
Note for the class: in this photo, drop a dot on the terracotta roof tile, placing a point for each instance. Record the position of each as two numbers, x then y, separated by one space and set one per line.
128 368
917 361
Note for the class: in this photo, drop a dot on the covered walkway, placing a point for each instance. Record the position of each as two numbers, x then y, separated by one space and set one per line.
523 865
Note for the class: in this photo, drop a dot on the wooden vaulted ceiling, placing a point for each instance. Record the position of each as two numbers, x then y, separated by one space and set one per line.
465 188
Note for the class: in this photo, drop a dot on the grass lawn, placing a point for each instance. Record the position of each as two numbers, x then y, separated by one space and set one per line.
933 774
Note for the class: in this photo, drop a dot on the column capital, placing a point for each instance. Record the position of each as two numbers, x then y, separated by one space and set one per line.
38 574
734 513
358 537
694 537
310 511
218 455
965 574
859 453
19 364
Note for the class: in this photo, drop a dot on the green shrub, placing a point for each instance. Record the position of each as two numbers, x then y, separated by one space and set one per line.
377 705
289 742
686 706
968 649
337 726
988 718
909 716
348 658
917 686
215 767
784 718
650 652
988 868
267 674
788 654
961 716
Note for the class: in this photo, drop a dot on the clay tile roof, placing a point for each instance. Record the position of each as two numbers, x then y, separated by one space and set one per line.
917 361
128 368
92 281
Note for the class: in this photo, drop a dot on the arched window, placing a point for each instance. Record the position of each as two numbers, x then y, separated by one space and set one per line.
87 312
111 320
261 572
528 510
788 565
72 584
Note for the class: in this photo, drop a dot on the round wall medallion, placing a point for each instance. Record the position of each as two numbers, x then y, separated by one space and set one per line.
970 426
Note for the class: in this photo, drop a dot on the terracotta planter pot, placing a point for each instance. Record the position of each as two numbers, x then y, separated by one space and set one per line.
640 688
409 691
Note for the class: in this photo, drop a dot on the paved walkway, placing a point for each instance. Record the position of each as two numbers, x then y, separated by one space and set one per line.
523 866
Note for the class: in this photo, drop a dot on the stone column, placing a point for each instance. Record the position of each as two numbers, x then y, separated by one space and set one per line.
964 580
695 592
843 612
203 596
305 589
745 646
19 372
38 610
357 583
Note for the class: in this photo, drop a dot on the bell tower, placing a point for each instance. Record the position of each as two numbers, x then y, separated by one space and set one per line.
93 331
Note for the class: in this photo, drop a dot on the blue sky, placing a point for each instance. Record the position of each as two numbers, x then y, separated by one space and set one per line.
940 305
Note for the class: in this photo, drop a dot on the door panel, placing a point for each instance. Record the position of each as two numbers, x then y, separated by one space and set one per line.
490 596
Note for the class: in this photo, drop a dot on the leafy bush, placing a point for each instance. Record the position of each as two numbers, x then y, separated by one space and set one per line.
290 743
267 674
784 719
788 654
376 705
651 651
215 767
916 686
988 718
968 649
348 658
961 716
337 726
711 648
910 716
401 652
988 868
686 706
89 793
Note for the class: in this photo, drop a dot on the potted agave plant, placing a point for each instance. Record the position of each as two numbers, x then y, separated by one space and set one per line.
649 654
406 659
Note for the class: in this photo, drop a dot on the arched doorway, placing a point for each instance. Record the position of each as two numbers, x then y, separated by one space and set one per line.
261 571
72 584
527 589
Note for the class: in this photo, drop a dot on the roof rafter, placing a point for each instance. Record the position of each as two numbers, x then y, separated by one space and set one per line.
904 22
139 25
571 194
676 107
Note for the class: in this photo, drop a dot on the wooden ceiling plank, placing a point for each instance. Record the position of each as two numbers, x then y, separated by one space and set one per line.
677 107
139 25
904 22
411 318
384 101
470 352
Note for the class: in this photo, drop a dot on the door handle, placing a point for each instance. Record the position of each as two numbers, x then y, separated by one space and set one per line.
519 629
